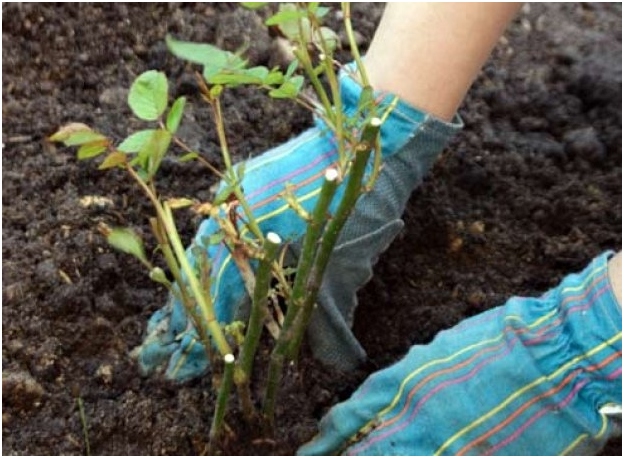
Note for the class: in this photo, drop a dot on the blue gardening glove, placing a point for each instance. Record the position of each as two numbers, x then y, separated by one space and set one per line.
411 141
537 376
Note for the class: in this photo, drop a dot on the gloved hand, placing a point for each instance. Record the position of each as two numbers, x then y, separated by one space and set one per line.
537 376
410 139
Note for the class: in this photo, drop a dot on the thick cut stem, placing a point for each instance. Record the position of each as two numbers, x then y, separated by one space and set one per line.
276 366
320 215
353 191
317 253
259 303
222 398
259 311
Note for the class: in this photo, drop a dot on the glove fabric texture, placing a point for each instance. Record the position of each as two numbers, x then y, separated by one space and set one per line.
536 376
410 142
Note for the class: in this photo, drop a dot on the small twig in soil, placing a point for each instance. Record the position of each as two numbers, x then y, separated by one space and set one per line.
85 427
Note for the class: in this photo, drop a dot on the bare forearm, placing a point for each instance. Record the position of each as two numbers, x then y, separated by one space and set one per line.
430 53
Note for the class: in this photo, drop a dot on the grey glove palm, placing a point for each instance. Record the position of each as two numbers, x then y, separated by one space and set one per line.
375 223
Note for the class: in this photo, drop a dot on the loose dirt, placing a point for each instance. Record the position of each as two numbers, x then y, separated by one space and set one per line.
528 192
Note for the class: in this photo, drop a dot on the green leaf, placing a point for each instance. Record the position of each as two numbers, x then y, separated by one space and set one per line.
143 175
126 240
83 137
148 95
237 77
289 271
210 71
223 194
288 19
189 157
216 90
292 68
289 89
328 36
367 100
313 6
319 69
240 171
318 11
287 15
153 151
257 72
91 143
236 329
113 160
158 275
175 115
213 239
180 202
199 53
297 81
233 79
133 143
67 130
253 5
220 67
90 150
213 59
322 11
273 78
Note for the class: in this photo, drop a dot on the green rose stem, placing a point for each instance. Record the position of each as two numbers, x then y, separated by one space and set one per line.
164 229
205 304
230 175
327 61
310 244
355 52
165 217
259 311
222 398
301 307
296 299
163 237
352 192
302 54
181 292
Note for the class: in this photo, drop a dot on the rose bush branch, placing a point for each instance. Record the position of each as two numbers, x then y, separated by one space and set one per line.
318 244
141 154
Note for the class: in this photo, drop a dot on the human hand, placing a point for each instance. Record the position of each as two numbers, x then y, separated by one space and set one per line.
410 143
537 376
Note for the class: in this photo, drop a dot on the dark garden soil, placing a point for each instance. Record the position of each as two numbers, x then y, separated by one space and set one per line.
529 191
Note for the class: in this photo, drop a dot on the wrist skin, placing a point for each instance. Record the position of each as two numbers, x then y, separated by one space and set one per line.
615 276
